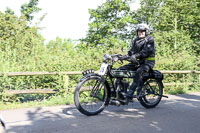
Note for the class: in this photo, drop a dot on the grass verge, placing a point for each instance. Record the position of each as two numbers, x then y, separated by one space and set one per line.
56 100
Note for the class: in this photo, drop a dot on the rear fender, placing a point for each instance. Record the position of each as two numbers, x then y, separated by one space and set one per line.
161 83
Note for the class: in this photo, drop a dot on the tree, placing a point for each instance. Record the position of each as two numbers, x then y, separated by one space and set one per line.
147 11
10 11
15 34
111 24
178 18
29 9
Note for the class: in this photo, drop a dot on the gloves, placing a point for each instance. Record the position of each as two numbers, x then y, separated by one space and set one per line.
132 58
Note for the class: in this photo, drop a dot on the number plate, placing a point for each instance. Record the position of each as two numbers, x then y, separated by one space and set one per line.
103 69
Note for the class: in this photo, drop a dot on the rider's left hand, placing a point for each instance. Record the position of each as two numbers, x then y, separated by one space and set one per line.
132 58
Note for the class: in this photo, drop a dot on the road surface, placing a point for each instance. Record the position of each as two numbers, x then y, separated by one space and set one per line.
177 114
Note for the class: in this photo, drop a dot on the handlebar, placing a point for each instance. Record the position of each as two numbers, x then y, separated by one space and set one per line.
117 57
125 57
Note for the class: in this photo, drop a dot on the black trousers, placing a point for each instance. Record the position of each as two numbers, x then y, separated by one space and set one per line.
138 79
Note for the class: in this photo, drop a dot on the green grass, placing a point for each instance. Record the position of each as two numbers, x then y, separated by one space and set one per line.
182 89
56 100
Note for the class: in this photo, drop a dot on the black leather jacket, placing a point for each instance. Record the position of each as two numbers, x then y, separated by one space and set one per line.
144 50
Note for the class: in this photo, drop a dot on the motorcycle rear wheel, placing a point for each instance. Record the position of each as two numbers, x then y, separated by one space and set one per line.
151 93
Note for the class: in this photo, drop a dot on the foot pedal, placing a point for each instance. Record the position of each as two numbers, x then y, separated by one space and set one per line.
115 102
165 96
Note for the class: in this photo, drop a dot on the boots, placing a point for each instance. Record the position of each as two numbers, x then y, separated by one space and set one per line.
129 94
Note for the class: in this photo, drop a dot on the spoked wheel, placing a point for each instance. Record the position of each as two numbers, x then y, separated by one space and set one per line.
151 93
91 96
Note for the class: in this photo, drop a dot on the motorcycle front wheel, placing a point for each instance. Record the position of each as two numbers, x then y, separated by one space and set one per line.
91 95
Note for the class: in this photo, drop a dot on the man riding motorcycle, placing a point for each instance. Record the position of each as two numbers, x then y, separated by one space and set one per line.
143 50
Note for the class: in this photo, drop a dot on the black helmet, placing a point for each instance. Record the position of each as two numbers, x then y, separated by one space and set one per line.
143 27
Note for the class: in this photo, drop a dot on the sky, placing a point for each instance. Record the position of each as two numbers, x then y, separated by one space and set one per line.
64 18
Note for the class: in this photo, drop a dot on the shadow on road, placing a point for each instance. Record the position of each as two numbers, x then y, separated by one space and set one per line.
190 96
179 114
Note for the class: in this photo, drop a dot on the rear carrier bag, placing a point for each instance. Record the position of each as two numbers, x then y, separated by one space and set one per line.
155 74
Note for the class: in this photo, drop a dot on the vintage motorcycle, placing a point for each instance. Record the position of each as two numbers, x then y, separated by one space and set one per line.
95 91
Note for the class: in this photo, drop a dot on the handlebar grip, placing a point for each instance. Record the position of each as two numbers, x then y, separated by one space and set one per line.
123 58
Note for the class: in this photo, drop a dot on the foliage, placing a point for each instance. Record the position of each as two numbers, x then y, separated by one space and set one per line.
16 35
111 24
29 9
9 11
172 42
173 15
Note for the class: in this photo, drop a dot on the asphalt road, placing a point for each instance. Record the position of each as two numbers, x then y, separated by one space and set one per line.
177 114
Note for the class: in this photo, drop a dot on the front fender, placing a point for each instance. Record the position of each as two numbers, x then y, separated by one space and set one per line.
88 75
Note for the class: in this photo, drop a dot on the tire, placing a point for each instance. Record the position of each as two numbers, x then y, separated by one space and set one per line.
151 93
91 95
2 125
